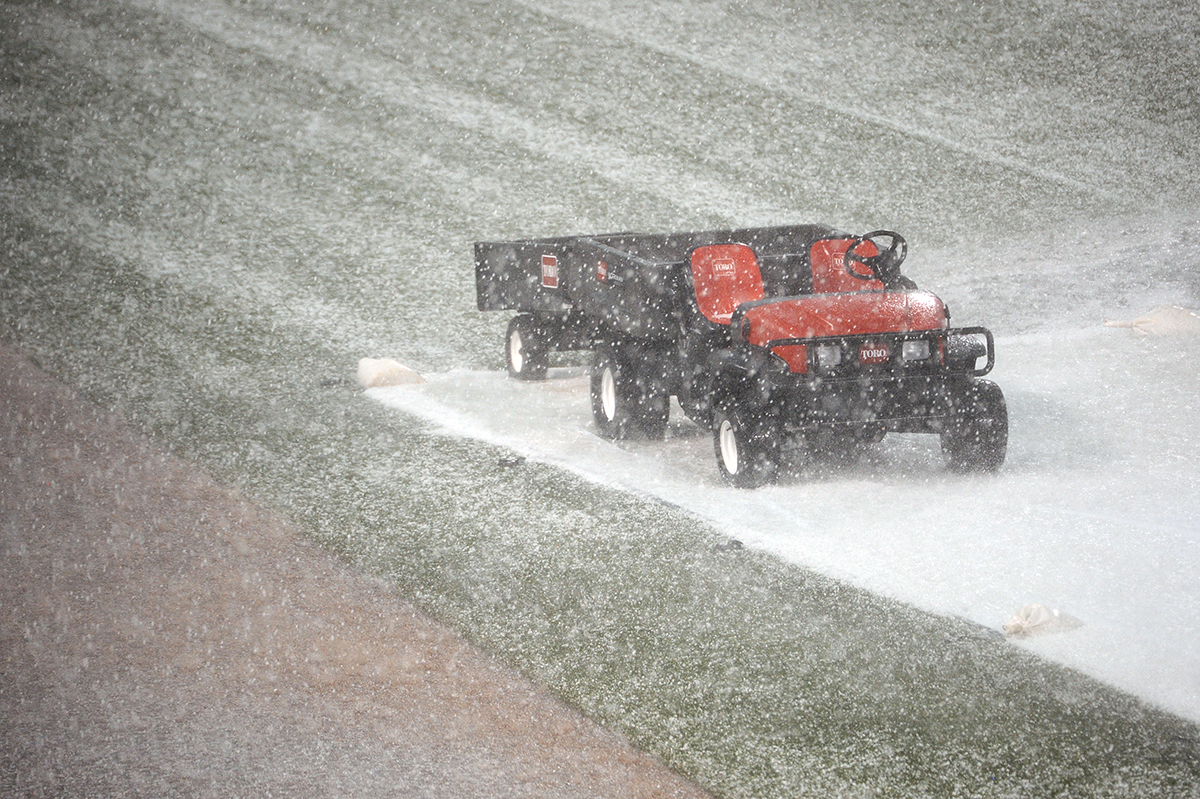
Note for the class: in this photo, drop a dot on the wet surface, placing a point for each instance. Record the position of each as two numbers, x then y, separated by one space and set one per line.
161 635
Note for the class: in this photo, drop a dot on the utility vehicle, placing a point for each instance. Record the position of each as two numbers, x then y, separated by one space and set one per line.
768 336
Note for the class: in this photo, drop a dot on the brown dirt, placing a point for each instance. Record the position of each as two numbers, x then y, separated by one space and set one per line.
160 635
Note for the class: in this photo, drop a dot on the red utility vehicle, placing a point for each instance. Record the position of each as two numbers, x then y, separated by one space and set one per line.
766 335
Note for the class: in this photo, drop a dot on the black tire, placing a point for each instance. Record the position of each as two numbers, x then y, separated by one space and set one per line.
976 440
746 446
628 400
526 350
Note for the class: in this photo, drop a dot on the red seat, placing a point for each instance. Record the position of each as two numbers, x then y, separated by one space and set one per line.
829 270
725 276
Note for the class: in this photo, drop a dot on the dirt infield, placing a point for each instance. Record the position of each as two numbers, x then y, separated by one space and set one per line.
160 635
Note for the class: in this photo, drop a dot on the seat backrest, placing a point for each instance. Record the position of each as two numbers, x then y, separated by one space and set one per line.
725 276
829 270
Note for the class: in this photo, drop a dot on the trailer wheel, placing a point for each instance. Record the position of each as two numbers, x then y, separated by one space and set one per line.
747 447
525 350
977 439
626 403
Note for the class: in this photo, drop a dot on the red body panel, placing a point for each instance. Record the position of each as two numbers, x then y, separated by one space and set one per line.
851 314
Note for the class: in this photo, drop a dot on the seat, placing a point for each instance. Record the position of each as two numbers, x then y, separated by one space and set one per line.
724 276
829 270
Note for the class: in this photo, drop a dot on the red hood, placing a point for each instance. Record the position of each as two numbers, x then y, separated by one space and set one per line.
860 313
851 314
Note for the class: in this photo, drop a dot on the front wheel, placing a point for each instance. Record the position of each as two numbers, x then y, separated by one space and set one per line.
977 439
525 349
746 445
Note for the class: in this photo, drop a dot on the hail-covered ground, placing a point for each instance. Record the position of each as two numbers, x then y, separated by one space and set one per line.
1096 514
210 211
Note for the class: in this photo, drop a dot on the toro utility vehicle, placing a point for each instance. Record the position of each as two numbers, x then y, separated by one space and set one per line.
794 334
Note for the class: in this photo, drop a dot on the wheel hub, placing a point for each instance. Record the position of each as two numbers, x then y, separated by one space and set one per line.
729 449
516 353
608 394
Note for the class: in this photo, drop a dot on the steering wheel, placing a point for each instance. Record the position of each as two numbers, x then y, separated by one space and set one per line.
885 266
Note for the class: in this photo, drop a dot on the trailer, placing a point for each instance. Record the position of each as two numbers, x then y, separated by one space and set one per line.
766 336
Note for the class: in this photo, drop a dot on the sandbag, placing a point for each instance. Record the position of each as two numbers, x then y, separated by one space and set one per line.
1035 619
1165 320
376 372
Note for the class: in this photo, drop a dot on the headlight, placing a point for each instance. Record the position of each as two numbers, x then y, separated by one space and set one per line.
917 350
829 356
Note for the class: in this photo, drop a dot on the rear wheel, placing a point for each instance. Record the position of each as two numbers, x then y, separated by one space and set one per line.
526 349
746 445
628 399
977 438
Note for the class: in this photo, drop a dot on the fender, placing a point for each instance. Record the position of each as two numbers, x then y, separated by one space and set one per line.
744 371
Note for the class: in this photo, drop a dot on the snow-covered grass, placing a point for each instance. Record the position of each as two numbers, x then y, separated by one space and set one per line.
1096 513
211 210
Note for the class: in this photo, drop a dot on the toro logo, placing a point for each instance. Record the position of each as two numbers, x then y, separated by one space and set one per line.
873 353
550 271
724 267
601 271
